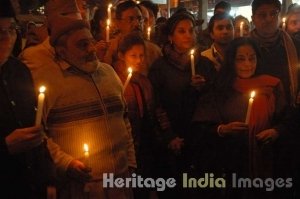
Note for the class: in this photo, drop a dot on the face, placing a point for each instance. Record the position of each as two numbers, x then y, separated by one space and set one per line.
145 15
8 36
183 37
222 32
237 28
131 20
151 18
134 57
266 19
245 61
293 23
80 50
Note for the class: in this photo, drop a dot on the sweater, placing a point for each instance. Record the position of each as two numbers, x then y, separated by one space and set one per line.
81 108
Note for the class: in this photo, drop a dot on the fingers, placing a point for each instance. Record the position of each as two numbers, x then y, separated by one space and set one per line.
79 171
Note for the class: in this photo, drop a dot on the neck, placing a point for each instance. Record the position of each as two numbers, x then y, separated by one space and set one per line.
221 48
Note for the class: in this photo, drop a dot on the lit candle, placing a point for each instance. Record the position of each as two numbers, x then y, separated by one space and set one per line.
109 11
193 62
107 30
242 29
283 23
41 99
128 78
86 154
149 33
86 150
251 99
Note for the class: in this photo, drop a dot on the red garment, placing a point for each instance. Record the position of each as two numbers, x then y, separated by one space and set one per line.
262 113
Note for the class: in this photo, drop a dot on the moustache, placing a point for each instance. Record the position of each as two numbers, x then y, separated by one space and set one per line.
91 57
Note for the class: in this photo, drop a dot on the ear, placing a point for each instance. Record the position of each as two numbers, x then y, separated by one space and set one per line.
170 39
60 51
120 56
212 35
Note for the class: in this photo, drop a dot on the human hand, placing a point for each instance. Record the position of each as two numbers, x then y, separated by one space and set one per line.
176 144
232 128
102 45
268 135
163 119
197 81
79 171
24 139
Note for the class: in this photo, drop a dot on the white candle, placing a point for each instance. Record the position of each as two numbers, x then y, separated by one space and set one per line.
86 154
109 11
41 99
283 23
128 78
86 150
107 29
242 29
193 62
149 33
251 99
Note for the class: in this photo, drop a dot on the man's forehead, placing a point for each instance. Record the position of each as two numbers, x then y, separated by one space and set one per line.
223 22
7 21
132 12
81 34
266 7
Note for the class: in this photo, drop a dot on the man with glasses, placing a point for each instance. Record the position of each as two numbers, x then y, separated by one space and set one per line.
129 19
24 167
280 60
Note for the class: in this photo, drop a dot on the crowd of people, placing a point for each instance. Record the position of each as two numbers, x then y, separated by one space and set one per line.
178 112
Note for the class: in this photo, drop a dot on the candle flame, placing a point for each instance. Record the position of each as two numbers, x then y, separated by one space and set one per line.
252 94
107 22
283 19
110 6
242 23
149 29
42 89
192 52
129 70
85 147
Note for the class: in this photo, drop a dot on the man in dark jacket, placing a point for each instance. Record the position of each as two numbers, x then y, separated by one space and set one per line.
22 150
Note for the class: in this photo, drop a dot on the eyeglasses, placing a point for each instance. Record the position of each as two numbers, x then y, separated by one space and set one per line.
10 30
84 44
131 19
264 15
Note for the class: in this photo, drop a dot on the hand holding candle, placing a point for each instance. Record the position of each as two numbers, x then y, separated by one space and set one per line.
107 30
242 29
251 99
41 99
193 62
128 78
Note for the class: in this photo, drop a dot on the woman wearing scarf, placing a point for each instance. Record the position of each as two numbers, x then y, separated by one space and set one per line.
171 77
224 143
281 61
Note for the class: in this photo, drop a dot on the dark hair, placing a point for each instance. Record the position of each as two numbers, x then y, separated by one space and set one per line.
223 5
123 6
100 15
151 6
129 41
217 17
175 19
257 3
227 73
